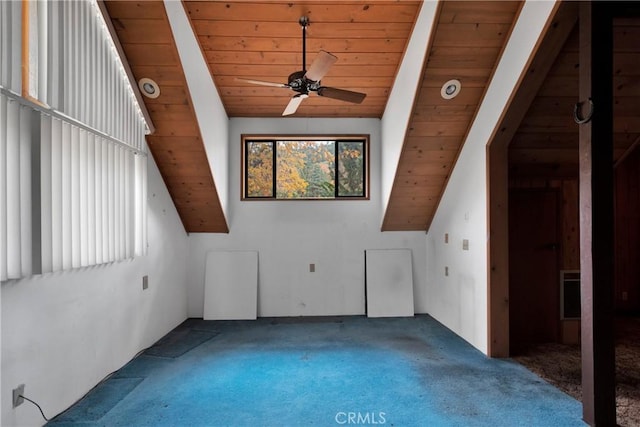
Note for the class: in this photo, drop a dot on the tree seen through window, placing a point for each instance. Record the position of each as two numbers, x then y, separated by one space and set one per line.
305 169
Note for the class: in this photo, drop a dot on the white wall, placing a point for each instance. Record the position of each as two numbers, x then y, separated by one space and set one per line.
212 118
459 301
290 235
63 332
398 110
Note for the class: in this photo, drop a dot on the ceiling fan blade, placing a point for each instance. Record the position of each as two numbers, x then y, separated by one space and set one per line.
263 83
320 66
294 103
341 94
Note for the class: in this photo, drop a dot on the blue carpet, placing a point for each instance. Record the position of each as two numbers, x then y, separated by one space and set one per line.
179 341
332 372
99 401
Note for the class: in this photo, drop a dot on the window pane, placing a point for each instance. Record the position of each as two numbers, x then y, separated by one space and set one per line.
350 169
259 171
305 169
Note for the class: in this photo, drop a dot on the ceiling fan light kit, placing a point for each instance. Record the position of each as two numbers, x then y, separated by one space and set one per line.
306 81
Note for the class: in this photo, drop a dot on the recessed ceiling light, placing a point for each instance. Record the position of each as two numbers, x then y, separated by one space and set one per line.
149 88
451 89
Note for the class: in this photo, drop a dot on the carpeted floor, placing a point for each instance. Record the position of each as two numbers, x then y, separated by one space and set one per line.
324 372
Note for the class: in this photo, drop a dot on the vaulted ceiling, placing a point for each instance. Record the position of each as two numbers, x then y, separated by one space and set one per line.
262 41
546 141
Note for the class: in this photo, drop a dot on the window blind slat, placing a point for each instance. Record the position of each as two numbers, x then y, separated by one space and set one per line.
130 204
116 203
46 192
123 205
66 212
25 192
67 56
111 206
91 200
99 193
74 172
43 60
10 45
138 204
13 191
56 195
104 191
142 205
3 185
83 182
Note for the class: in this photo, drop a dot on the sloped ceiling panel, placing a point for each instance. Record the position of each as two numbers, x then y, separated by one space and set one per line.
144 32
466 45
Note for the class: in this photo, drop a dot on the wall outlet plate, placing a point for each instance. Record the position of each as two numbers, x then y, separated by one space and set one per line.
18 392
145 282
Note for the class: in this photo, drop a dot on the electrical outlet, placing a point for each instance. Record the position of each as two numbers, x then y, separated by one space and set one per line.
446 237
312 268
18 392
465 244
145 282
446 271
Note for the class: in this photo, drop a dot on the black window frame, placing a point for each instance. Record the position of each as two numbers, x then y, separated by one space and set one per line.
274 139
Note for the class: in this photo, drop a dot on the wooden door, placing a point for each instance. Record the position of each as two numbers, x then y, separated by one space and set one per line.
534 291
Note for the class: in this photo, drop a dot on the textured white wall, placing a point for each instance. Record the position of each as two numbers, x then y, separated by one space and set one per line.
398 109
212 118
459 300
290 235
63 332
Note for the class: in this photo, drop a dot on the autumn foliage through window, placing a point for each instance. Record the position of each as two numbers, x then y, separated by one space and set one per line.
305 168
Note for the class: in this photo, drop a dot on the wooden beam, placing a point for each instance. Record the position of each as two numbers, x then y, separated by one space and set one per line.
557 30
596 215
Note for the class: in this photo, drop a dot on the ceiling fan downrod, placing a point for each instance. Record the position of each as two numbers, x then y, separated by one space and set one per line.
304 23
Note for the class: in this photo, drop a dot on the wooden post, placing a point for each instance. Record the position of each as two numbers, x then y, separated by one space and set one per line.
596 213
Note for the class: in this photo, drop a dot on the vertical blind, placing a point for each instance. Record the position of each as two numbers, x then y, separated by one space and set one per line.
73 62
73 165
11 45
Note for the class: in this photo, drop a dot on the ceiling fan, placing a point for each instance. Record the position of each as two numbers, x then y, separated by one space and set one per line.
306 81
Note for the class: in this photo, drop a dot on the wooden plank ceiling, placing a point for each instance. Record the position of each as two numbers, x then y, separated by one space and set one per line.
262 41
146 38
546 143
466 45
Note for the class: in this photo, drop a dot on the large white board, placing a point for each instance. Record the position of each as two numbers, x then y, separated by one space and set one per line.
389 283
231 285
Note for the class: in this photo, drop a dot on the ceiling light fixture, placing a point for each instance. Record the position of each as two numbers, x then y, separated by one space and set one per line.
149 88
451 89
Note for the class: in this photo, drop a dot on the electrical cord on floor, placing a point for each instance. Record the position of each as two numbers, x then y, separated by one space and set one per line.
94 387
102 381
29 400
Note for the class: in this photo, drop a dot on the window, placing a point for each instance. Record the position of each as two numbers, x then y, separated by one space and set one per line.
307 168
72 151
